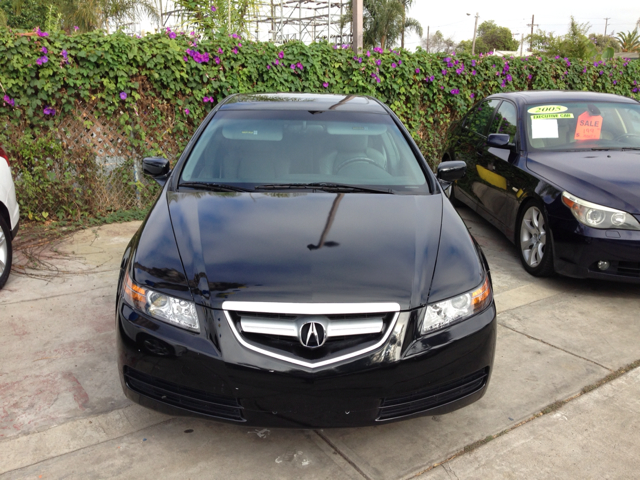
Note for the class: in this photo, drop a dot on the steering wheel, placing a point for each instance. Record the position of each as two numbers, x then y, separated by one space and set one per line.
625 135
351 161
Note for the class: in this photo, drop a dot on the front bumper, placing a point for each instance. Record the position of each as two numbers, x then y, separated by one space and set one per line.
211 375
578 249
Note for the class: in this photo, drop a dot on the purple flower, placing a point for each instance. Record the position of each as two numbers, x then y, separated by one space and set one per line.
557 57
441 87
173 35
277 62
293 67
235 50
49 111
325 85
281 54
378 49
44 50
268 67
473 64
529 76
213 9
447 59
239 45
378 62
509 78
471 95
444 71
41 33
217 60
394 65
299 65
123 95
600 72
42 60
65 56
186 59
368 53
635 90
76 28
186 111
12 102
417 71
455 91
474 72
615 82
399 62
585 70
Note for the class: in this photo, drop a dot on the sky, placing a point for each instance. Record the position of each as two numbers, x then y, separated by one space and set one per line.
551 15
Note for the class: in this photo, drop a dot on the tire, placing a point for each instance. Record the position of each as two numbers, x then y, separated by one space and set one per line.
6 252
534 242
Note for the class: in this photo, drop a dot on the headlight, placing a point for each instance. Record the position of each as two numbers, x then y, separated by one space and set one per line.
441 314
163 307
598 216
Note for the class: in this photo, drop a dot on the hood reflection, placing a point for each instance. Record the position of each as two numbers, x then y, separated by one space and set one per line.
327 226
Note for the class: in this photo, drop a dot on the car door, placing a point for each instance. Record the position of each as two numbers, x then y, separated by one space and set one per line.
468 146
503 182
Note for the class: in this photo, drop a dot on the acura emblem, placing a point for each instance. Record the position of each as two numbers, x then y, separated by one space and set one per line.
312 334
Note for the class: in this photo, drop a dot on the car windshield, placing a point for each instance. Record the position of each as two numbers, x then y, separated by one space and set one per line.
583 126
276 149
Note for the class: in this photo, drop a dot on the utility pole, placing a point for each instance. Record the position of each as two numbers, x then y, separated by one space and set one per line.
532 25
475 29
427 38
356 25
521 43
606 22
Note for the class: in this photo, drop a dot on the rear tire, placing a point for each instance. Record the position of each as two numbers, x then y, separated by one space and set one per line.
6 252
534 241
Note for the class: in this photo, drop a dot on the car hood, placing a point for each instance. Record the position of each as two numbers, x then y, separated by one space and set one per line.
610 178
307 247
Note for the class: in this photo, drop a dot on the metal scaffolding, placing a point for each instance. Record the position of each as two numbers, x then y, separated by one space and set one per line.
304 20
281 21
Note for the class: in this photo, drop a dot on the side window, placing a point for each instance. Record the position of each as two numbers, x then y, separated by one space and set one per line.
479 120
505 121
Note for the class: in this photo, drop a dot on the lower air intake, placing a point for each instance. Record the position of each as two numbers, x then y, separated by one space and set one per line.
188 399
398 407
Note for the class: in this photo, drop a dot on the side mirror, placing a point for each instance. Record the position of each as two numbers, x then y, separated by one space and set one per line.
498 140
451 171
156 167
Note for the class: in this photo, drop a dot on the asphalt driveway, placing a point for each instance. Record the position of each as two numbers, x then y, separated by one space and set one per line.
63 414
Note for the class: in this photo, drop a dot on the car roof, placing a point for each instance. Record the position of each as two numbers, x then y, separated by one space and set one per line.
304 102
544 96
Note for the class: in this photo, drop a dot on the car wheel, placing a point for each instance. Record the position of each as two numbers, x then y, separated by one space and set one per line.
6 252
534 241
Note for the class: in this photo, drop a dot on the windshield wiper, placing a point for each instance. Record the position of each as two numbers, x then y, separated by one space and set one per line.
624 149
326 186
214 187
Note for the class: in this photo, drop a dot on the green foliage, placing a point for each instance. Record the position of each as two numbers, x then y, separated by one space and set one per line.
27 14
165 92
52 184
205 20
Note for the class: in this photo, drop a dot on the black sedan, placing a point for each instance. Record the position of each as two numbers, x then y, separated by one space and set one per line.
559 174
303 268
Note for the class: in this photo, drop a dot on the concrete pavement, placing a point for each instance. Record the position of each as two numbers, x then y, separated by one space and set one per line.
63 415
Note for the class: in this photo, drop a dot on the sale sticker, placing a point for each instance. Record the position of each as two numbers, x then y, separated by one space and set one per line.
548 109
588 127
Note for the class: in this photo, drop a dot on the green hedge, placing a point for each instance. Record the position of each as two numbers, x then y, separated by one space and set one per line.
163 85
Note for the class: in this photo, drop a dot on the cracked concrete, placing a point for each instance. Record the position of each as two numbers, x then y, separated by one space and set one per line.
63 414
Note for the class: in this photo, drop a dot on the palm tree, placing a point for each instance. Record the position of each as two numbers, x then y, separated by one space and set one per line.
630 41
405 5
384 22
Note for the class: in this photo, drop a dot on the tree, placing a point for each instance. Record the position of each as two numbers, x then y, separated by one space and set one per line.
490 37
438 43
630 41
602 42
574 43
26 14
384 22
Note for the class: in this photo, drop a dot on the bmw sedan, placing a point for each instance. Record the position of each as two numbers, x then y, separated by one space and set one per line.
559 174
303 268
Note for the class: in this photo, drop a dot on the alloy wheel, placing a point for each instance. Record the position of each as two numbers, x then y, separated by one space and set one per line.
533 236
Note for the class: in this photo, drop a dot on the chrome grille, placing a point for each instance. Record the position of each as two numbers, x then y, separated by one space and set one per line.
347 330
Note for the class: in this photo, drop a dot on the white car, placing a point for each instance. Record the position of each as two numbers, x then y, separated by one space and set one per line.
9 217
